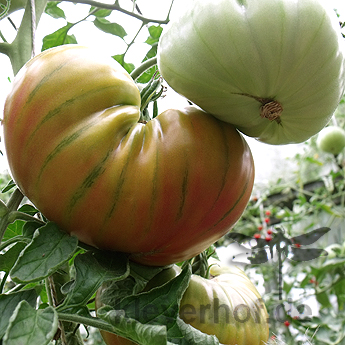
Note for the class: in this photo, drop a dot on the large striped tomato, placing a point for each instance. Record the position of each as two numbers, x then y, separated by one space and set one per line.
228 306
162 190
273 68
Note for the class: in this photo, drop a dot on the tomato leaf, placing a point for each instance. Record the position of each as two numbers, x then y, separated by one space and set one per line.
132 329
11 184
101 12
110 28
93 269
28 326
193 336
58 38
49 249
155 33
8 259
54 11
14 229
129 67
28 209
9 302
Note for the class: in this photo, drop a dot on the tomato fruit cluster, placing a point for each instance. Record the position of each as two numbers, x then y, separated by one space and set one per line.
162 191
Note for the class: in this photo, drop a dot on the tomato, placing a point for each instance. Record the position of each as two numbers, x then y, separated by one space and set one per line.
273 68
227 305
331 139
162 191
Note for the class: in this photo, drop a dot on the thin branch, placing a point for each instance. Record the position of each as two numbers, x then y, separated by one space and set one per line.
33 26
143 67
120 9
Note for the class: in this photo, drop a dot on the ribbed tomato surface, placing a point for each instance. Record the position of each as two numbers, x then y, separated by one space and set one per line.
162 190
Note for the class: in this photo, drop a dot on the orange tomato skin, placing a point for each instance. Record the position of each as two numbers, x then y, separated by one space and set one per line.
162 191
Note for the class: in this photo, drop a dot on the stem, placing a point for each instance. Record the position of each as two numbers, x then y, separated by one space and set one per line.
89 321
12 240
12 205
21 48
3 282
120 9
143 67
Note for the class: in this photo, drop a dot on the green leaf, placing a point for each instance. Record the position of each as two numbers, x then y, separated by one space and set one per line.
49 249
9 302
101 13
134 330
14 229
92 270
4 9
155 33
129 67
159 306
59 38
110 28
8 259
28 326
54 11
191 335
28 209
11 184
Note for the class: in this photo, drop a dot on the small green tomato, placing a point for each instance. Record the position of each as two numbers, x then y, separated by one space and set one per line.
331 140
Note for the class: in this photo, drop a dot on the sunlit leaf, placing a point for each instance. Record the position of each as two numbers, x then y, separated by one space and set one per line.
59 37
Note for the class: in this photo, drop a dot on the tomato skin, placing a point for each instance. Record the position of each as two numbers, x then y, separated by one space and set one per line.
162 191
227 305
331 139
230 57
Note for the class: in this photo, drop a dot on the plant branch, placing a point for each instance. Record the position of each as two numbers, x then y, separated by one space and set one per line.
89 321
143 67
120 9
20 50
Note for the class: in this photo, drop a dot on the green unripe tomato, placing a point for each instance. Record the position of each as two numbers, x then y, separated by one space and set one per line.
331 140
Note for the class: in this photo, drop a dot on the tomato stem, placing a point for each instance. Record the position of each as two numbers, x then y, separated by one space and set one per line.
150 93
143 67
12 205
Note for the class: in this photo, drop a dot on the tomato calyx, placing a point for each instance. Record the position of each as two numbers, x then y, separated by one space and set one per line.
270 109
150 93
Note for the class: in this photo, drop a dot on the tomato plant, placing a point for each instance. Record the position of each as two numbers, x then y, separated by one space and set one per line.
274 69
227 305
162 190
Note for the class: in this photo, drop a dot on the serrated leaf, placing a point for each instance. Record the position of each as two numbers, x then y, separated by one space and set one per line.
29 326
54 11
110 28
92 270
58 38
9 302
49 249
